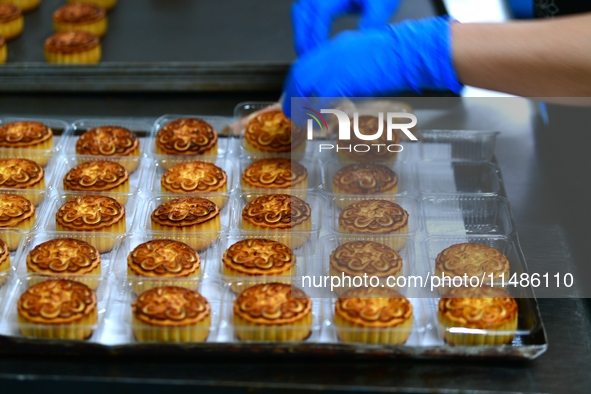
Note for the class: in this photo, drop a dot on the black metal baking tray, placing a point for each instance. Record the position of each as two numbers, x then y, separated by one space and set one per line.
174 45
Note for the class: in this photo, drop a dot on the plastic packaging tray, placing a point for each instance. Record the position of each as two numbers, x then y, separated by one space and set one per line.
402 171
220 123
9 319
457 177
242 112
32 240
208 257
61 131
144 223
154 172
79 127
67 163
467 214
438 207
317 204
312 167
458 144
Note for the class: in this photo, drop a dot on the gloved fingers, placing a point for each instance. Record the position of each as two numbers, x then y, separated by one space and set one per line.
377 13
312 22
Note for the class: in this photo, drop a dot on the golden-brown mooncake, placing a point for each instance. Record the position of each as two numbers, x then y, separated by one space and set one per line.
360 258
198 177
111 141
380 218
171 314
80 17
4 262
65 258
29 140
373 315
471 259
183 218
99 176
367 179
274 175
186 137
152 262
274 312
11 21
23 174
93 216
273 132
256 260
73 47
16 212
58 309
277 216
490 312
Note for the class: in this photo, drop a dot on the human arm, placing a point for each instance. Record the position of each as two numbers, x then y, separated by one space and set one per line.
546 58
543 58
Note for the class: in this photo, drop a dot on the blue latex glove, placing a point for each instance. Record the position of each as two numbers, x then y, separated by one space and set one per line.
523 9
312 19
405 57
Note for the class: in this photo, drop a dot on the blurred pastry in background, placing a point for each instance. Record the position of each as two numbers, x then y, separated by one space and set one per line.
73 47
80 17
12 21
24 5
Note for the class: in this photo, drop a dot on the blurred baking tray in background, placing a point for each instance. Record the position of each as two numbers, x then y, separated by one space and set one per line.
174 45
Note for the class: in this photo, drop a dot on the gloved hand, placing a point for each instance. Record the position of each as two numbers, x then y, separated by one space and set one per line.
312 19
405 57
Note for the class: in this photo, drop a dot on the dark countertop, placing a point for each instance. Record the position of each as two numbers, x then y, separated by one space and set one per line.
545 219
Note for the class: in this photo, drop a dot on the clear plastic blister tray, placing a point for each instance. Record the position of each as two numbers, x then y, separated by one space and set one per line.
121 328
320 263
409 204
467 214
11 326
154 172
377 337
67 163
458 145
457 177
296 237
79 127
229 333
447 184
209 261
242 114
304 264
220 123
405 185
32 240
435 244
192 238
61 131
314 180
102 244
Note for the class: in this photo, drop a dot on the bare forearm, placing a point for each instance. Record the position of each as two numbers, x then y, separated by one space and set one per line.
547 58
